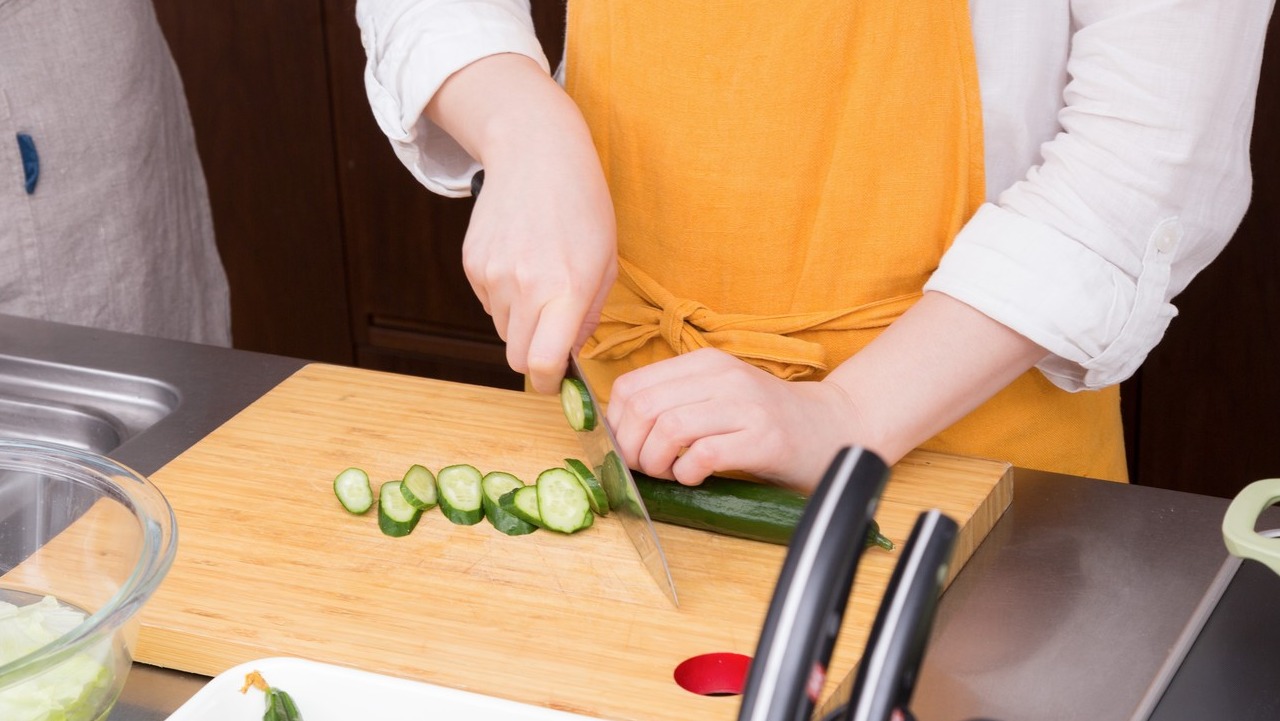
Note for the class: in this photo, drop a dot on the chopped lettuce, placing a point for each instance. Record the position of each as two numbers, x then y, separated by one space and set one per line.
76 689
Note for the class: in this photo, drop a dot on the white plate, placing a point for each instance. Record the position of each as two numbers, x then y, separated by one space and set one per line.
324 692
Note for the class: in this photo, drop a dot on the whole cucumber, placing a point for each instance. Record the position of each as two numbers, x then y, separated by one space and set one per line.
733 507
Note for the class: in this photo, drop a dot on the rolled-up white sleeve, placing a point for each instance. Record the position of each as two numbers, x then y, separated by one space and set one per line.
1141 189
412 47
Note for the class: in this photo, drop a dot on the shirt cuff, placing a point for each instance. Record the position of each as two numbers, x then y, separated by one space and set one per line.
1098 322
406 68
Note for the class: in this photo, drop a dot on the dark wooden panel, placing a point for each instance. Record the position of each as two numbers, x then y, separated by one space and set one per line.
437 365
404 243
1205 408
258 90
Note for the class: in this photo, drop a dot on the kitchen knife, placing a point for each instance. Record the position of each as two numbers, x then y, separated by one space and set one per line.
891 660
601 450
789 669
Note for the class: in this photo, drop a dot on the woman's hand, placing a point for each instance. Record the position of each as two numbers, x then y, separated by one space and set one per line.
706 412
540 252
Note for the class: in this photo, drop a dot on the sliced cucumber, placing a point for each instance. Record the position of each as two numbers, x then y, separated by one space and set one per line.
419 487
353 490
461 497
595 492
576 402
494 486
562 501
395 516
523 504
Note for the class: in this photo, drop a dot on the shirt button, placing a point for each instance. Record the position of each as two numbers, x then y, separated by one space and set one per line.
1168 235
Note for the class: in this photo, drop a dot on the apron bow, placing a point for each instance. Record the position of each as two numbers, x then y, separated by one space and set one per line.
764 341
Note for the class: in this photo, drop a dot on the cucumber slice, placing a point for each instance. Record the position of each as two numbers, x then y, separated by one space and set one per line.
395 516
353 490
523 504
562 501
494 486
461 497
419 487
576 402
595 492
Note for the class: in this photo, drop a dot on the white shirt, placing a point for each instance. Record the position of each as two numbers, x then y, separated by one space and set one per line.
1116 146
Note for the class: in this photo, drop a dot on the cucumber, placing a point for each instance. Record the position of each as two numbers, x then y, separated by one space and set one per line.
595 492
576 402
419 487
395 516
353 490
461 498
732 507
562 501
494 486
523 504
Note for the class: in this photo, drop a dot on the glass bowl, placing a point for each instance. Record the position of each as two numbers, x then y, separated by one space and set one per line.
84 541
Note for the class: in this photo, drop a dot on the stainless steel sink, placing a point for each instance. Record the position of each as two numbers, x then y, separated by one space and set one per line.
139 400
86 408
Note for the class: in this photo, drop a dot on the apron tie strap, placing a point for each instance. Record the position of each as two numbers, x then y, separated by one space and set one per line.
764 341
675 316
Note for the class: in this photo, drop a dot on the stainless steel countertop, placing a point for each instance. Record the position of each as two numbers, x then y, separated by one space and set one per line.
1078 605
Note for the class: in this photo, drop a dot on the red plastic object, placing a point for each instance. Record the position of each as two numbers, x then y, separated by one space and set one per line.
714 674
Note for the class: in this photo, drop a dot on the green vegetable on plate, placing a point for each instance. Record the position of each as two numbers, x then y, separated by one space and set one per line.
280 705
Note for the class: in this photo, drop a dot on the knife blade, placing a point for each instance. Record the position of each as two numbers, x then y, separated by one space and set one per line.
601 451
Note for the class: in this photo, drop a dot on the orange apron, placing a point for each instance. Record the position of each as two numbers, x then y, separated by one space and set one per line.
785 179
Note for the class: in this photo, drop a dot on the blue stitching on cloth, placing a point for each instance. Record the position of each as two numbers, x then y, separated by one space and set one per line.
30 162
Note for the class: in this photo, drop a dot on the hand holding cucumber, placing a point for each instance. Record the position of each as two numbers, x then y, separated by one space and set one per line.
707 412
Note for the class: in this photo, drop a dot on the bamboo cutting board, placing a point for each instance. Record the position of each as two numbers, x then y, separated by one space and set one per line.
269 564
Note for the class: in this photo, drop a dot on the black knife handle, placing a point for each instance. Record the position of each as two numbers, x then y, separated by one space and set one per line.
891 661
789 667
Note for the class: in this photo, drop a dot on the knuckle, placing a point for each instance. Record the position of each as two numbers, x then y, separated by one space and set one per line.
645 405
670 428
698 462
622 388
542 364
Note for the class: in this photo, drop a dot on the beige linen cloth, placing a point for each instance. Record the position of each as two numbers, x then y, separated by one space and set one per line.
117 233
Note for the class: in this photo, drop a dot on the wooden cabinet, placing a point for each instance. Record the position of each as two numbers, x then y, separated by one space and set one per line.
1204 410
335 253
257 84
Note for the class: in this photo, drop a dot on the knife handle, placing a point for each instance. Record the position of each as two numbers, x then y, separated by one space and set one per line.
891 660
789 668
